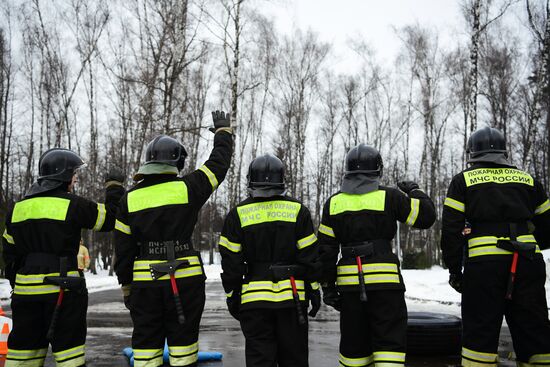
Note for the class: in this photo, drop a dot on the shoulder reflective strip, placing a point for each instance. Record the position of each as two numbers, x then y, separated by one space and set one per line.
69 353
368 268
119 226
268 211
389 357
231 246
455 204
168 193
211 176
489 240
229 294
326 230
415 209
306 241
314 285
342 202
540 358
542 208
180 273
101 213
40 208
144 264
369 279
271 286
27 354
355 362
8 238
39 278
480 356
497 176
271 297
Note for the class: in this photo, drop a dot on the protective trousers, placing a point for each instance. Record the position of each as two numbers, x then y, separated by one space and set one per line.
155 320
483 306
274 338
27 343
373 333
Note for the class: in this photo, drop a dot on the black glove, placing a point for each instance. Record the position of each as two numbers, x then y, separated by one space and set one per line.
114 175
233 304
220 119
127 302
332 298
126 291
407 186
314 296
455 281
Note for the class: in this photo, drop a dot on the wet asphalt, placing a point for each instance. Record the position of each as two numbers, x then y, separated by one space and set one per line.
110 328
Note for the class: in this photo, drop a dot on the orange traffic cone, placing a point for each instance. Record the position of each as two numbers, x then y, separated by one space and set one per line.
4 338
2 313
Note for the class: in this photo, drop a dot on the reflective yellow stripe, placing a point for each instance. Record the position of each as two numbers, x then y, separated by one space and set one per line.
375 201
355 362
489 240
415 209
497 176
231 246
168 193
486 245
33 284
101 213
26 355
183 355
367 268
540 359
306 241
73 357
468 363
8 238
268 211
211 177
271 291
369 279
326 230
40 208
479 356
542 208
228 295
314 285
391 357
119 226
455 204
142 271
148 357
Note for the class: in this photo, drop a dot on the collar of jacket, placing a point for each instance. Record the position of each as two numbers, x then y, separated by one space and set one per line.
359 183
265 192
155 169
43 186
497 158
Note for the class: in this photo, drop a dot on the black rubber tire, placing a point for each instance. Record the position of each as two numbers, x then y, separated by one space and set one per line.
433 334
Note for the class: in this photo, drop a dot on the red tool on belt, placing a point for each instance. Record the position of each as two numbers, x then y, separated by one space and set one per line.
512 278
281 272
362 291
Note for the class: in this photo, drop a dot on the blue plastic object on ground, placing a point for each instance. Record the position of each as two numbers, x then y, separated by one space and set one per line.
203 356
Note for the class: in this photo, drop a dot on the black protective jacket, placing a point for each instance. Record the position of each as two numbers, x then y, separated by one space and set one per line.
164 208
352 219
488 198
262 232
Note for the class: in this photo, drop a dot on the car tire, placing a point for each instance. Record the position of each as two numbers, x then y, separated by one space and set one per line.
433 334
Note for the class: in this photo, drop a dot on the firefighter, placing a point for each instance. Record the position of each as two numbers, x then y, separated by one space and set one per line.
504 271
40 244
270 267
366 285
158 267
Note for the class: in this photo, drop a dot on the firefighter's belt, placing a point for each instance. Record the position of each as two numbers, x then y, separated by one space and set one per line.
280 272
49 262
366 249
63 281
171 264
157 249
525 249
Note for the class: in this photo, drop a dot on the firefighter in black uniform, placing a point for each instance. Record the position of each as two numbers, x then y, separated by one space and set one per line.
40 244
504 271
270 267
366 285
159 269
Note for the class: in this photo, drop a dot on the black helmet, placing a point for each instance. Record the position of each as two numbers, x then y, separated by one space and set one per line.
364 159
266 171
486 140
59 164
166 150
